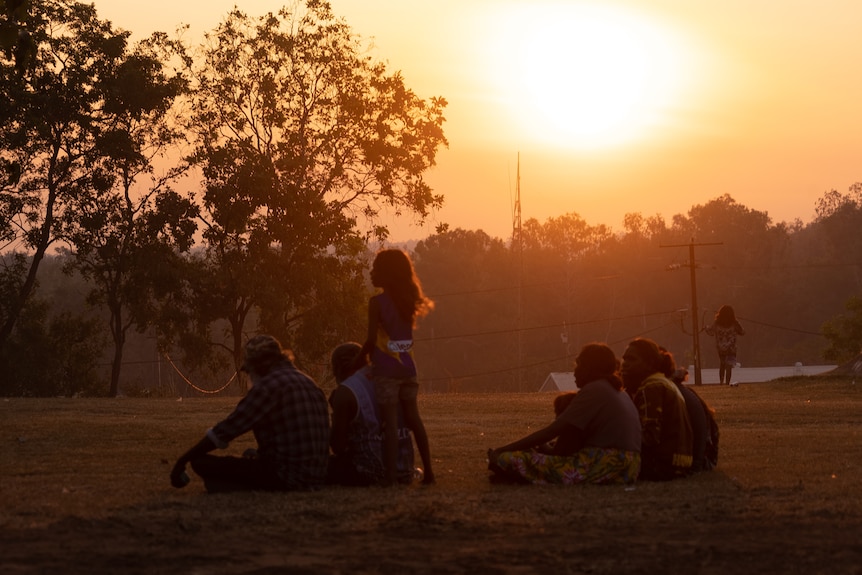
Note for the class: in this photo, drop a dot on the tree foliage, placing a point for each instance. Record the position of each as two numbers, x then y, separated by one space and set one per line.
299 135
52 353
53 124
131 223
16 42
512 320
844 332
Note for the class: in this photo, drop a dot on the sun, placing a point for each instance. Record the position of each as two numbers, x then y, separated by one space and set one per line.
582 75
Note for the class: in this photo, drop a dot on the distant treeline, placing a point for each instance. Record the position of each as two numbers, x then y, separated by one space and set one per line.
508 312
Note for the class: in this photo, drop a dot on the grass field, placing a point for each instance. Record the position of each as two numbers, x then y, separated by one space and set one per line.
85 490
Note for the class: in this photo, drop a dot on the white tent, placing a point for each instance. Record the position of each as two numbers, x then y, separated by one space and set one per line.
559 381
852 367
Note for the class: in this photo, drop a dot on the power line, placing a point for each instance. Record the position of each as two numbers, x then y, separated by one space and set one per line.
538 363
538 327
781 327
670 267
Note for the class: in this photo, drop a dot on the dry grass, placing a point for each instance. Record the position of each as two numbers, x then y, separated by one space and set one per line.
85 490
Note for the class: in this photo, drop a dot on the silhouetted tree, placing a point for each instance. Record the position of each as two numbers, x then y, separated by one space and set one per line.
54 121
50 354
467 343
844 332
299 134
131 223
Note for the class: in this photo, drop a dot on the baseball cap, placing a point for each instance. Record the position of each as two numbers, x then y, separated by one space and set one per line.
259 349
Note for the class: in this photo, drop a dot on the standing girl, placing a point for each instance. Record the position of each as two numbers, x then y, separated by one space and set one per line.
725 328
392 315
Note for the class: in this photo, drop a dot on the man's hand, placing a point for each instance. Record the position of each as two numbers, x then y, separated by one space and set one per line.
179 477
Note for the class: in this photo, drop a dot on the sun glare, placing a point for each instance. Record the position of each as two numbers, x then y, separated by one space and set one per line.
581 75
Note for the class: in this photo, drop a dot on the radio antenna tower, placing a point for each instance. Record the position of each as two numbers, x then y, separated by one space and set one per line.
516 219
518 249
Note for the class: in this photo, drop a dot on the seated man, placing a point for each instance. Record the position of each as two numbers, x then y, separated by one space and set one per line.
287 413
357 437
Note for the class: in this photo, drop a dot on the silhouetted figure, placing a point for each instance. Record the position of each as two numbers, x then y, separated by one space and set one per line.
392 315
597 432
725 328
357 434
666 451
289 417
701 416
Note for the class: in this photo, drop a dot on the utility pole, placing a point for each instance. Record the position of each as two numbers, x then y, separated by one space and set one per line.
695 328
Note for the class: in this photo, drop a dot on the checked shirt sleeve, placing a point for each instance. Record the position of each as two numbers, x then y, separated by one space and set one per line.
247 412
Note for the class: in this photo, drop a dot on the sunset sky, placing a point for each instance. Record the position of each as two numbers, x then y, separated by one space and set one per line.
617 106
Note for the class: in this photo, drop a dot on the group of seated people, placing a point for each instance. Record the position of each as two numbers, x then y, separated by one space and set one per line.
297 446
627 421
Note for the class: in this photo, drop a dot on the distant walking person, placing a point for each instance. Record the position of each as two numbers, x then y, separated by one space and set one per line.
725 328
392 315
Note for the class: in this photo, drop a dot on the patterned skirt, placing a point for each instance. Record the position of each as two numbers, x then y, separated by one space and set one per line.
590 465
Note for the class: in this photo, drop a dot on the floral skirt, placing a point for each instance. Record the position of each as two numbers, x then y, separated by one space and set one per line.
589 465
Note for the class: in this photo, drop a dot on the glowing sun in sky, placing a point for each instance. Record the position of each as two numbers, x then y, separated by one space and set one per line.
583 75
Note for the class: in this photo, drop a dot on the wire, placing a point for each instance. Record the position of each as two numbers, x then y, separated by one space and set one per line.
193 386
538 363
781 327
571 323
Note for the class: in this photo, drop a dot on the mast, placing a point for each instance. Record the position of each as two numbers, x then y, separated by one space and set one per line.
518 248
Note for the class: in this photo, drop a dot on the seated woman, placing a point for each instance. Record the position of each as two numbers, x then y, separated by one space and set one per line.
598 435
666 452
704 429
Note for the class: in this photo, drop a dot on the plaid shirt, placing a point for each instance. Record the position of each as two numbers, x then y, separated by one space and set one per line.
289 417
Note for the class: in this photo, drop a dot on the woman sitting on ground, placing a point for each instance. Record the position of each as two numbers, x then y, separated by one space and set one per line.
598 436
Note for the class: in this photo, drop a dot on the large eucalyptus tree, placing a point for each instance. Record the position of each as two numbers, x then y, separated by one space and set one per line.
302 139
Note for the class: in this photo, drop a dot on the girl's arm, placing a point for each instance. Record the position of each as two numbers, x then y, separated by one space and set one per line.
739 329
371 336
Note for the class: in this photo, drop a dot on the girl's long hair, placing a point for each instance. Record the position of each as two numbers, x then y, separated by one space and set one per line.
397 277
725 317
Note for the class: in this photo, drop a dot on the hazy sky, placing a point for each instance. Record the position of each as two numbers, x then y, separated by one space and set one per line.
616 106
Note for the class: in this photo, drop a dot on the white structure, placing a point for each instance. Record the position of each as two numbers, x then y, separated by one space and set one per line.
565 380
761 374
559 381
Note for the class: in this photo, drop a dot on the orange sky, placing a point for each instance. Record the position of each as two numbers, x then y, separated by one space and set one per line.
756 98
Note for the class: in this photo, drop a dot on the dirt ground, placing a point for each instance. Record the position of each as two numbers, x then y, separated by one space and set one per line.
785 499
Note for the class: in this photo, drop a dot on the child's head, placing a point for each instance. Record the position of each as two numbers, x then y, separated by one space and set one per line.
343 360
393 271
562 401
392 268
597 361
726 316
